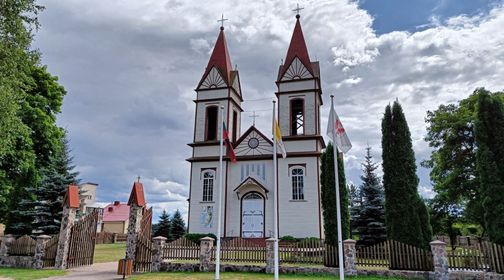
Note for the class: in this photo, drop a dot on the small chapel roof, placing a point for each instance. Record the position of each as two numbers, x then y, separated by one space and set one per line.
137 195
220 59
297 48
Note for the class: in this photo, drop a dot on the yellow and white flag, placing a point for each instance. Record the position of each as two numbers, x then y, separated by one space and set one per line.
278 139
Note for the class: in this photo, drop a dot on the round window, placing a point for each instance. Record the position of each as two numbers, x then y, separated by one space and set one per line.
253 143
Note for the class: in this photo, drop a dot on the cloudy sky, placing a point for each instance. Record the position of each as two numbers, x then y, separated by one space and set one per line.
130 69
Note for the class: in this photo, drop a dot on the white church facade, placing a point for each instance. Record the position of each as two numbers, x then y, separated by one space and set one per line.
248 183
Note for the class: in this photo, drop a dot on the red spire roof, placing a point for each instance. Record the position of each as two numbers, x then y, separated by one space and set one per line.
220 58
137 195
297 48
71 198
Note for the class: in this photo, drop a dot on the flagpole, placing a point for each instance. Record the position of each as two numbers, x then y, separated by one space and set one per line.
338 207
219 212
275 202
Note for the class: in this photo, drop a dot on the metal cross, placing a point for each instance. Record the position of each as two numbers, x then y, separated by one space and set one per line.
222 20
297 9
253 116
138 179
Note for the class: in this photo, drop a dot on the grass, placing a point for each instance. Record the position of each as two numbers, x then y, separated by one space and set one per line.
242 276
109 252
28 274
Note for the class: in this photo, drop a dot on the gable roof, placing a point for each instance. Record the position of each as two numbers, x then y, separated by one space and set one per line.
246 133
116 212
71 198
297 48
137 195
220 59
250 180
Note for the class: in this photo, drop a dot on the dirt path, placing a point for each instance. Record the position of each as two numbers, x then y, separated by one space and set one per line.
99 271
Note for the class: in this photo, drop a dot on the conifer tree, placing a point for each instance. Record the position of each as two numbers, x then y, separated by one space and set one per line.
164 226
328 195
406 216
371 219
490 162
355 204
178 228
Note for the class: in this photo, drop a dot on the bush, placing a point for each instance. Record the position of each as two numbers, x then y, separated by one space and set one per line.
308 242
195 237
288 238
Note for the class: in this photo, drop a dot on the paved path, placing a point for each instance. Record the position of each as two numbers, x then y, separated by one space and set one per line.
99 271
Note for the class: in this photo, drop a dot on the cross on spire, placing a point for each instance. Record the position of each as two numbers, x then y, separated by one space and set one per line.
253 116
138 179
297 9
222 20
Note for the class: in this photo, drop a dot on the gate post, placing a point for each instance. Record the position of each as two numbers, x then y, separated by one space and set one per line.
40 251
157 255
350 257
270 255
6 243
439 259
70 206
137 203
206 246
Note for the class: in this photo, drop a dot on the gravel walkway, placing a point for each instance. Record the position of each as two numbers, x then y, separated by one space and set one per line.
99 271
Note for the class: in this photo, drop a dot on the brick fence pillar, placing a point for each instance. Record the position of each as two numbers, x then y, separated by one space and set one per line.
135 220
350 255
6 243
157 254
38 262
206 246
439 259
270 255
67 222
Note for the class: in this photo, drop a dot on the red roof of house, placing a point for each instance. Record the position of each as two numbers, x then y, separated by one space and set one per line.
220 58
137 195
297 48
116 212
71 198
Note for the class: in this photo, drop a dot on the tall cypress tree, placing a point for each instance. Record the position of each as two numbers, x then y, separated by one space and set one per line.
371 218
328 195
406 216
490 162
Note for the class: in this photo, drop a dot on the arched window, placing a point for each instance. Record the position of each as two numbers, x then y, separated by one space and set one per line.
208 184
211 123
297 116
297 176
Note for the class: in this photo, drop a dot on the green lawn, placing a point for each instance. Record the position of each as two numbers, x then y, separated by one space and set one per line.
241 276
28 274
109 252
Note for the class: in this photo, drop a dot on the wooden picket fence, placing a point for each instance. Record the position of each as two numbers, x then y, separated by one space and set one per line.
407 257
241 250
82 241
144 246
181 249
23 246
51 248
309 251
377 255
104 237
495 254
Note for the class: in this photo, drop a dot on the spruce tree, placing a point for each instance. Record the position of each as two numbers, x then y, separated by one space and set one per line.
164 226
490 162
355 204
371 219
178 228
406 216
328 195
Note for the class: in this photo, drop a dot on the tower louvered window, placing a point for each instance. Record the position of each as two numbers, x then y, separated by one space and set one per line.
211 123
297 117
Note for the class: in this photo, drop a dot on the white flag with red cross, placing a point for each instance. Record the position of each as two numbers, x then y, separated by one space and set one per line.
335 127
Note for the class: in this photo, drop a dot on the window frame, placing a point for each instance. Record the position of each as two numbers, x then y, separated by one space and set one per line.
207 108
207 194
297 182
293 131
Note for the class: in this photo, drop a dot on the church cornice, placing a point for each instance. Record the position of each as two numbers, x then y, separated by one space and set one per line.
219 99
259 157
317 90
305 137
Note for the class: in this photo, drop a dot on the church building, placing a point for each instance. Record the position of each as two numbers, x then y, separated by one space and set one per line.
248 183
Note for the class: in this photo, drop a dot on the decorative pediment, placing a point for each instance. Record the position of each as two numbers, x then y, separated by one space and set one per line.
248 185
213 80
296 70
253 143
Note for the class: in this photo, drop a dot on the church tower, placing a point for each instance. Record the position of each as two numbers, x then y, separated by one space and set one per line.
299 99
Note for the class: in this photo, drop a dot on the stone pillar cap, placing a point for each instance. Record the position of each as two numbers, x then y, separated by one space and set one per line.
44 236
162 238
207 238
437 242
349 241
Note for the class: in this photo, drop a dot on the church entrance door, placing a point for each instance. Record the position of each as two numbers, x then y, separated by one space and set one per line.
252 215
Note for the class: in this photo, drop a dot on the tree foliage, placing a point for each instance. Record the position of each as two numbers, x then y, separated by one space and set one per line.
163 227
371 218
328 195
489 135
178 227
401 183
